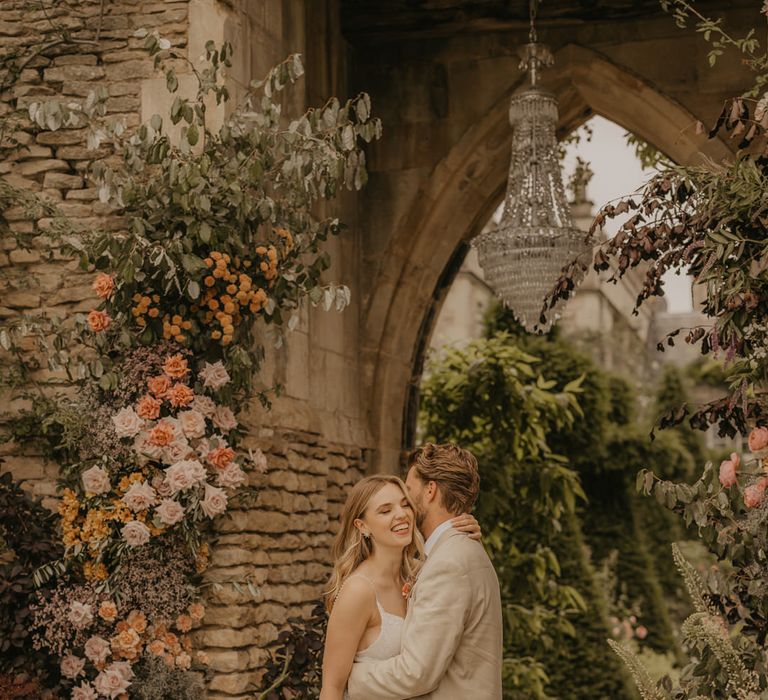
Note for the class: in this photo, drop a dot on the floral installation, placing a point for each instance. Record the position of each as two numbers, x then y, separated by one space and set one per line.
222 245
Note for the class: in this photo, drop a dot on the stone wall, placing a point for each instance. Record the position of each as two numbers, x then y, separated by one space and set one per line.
283 546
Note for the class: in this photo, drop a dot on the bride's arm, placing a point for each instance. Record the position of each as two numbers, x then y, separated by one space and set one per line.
468 524
346 626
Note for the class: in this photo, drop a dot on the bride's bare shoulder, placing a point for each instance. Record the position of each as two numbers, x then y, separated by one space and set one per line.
356 595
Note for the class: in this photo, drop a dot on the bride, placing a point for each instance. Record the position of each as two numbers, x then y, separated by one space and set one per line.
377 554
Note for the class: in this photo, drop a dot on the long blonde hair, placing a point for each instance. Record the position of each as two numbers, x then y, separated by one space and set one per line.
350 549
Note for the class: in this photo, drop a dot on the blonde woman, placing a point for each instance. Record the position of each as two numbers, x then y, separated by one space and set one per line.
377 554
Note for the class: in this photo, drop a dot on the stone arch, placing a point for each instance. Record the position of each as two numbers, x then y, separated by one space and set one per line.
458 198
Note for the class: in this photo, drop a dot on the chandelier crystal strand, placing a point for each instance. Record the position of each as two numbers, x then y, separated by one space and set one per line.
523 256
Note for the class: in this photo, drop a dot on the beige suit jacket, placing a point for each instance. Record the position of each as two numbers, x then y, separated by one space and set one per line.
452 637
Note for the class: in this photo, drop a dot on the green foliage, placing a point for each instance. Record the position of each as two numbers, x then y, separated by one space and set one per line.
28 540
489 398
611 525
580 666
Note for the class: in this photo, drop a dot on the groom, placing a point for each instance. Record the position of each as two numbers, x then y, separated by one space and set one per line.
451 647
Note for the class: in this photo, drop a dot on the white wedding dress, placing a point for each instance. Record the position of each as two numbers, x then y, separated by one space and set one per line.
387 644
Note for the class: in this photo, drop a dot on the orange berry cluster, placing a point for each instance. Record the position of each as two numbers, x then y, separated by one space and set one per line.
144 308
229 294
173 327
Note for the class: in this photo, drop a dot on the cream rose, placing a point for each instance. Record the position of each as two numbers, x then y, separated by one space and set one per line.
169 511
179 449
143 446
80 614
140 496
259 461
127 422
95 481
204 405
111 682
84 691
135 533
215 501
184 475
224 419
192 423
72 666
97 649
161 486
214 375
231 477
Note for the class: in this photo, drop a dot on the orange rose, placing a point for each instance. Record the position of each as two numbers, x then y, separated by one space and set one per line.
197 611
172 641
183 661
99 321
169 660
159 385
180 395
184 623
103 285
137 621
176 366
108 611
126 644
148 407
161 435
157 648
221 457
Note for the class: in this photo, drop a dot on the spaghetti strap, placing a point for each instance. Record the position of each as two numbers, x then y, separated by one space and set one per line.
362 576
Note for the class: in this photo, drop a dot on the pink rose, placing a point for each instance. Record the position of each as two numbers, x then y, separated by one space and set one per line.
215 501
139 496
641 632
231 477
224 419
80 614
259 461
728 469
214 375
84 691
97 649
124 669
758 442
112 681
192 423
161 485
170 512
179 449
127 422
754 494
184 475
95 481
72 666
204 405
135 533
144 447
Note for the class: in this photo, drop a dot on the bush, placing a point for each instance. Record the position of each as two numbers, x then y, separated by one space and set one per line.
295 669
27 541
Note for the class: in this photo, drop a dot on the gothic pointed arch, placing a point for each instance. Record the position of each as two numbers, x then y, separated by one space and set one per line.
455 201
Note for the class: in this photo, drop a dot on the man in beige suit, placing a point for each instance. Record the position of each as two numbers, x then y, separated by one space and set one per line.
451 647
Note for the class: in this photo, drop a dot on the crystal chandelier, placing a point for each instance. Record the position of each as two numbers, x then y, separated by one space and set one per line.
523 256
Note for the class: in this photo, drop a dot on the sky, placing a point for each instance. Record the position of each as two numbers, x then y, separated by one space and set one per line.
617 172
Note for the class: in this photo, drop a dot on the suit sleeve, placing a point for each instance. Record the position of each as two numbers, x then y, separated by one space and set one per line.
435 628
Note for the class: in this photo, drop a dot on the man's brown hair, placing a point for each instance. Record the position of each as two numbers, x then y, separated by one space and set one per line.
453 469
